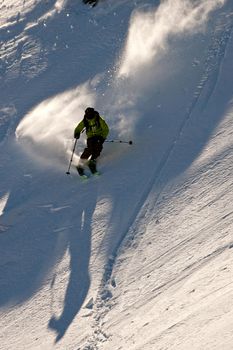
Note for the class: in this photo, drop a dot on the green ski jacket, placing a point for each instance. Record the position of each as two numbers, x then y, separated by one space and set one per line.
94 127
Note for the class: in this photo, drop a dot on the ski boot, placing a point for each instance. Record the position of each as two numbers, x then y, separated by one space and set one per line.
81 172
92 167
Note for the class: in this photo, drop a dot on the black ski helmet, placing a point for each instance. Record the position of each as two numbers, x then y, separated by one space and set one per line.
89 110
89 113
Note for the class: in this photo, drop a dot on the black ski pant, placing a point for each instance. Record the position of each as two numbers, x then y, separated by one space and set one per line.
93 149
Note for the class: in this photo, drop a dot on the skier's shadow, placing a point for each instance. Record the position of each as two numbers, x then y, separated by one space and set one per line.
79 245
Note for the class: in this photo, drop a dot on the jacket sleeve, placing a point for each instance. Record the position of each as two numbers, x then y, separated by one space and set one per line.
79 128
104 127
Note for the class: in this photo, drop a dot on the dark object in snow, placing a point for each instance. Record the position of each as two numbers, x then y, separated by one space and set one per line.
91 2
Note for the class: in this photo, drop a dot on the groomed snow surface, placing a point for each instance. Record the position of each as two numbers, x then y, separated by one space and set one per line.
140 258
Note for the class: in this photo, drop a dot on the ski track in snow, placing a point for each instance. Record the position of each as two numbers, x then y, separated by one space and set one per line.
208 82
133 233
210 75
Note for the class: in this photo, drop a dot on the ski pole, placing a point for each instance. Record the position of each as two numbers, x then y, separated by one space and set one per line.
120 141
68 171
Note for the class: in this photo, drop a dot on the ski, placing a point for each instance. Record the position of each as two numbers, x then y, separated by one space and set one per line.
92 168
84 177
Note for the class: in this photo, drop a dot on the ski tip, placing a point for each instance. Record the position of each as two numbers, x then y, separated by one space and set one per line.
84 177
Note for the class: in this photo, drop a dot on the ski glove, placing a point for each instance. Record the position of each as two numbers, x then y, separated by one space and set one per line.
100 140
76 135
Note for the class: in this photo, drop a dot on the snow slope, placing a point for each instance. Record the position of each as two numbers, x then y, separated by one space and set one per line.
140 258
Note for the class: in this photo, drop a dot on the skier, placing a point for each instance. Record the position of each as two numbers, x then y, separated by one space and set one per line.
96 130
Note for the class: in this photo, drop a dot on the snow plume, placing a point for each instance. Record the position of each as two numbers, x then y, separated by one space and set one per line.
48 129
121 107
150 31
3 202
60 4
